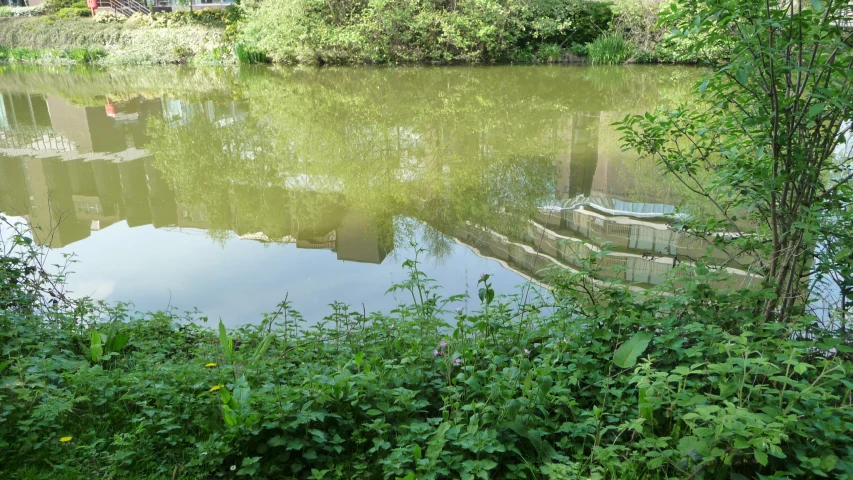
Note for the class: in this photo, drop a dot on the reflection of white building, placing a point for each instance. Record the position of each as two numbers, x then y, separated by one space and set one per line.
174 4
185 4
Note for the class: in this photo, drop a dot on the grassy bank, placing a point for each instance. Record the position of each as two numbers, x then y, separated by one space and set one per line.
358 32
45 40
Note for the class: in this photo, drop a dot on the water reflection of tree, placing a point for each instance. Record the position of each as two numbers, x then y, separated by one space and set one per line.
444 146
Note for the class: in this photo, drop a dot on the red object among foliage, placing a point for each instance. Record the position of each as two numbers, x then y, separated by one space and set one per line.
92 4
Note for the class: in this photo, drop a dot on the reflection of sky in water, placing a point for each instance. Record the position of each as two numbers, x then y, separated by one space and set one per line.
243 279
332 163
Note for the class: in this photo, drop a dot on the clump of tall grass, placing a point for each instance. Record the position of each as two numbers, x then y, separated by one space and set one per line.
84 54
250 55
609 49
24 54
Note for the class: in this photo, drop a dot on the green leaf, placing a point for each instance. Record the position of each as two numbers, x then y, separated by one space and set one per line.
827 463
741 77
241 396
760 457
626 355
801 368
118 341
225 340
225 395
416 452
97 346
816 109
263 347
374 412
646 410
229 415
359 357
436 442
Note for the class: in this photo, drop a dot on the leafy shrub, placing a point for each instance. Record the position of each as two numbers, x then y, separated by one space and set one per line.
5 12
72 12
639 22
609 49
384 31
210 16
109 17
549 52
27 11
54 6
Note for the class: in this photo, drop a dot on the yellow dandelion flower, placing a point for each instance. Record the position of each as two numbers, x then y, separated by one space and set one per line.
65 439
210 365
215 388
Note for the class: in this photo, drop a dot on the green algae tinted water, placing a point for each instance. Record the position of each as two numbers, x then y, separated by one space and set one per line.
228 190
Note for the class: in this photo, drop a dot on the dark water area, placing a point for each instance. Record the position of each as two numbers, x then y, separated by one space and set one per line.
228 190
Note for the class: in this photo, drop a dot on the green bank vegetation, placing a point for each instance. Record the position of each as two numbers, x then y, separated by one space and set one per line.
201 37
681 381
369 31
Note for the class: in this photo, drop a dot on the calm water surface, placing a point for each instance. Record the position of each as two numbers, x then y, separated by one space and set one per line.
227 190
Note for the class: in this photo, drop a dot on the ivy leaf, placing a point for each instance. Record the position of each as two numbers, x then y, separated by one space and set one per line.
626 355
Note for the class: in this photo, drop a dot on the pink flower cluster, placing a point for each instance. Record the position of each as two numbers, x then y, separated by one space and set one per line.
443 345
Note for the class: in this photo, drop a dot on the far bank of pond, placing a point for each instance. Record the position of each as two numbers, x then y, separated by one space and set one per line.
228 190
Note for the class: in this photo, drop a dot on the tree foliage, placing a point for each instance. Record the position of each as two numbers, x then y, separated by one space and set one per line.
771 118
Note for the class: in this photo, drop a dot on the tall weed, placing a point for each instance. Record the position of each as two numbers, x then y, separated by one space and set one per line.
610 49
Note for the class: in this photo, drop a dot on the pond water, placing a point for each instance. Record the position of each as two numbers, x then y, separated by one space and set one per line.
228 190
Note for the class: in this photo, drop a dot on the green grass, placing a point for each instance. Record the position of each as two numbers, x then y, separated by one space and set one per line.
23 54
84 54
249 55
609 49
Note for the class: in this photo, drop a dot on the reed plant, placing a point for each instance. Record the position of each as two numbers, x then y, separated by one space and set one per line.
610 49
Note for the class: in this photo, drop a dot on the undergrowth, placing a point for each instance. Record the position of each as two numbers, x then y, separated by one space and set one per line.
681 382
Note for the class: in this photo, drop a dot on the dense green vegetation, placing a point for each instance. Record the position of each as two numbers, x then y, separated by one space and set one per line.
372 31
176 37
683 380
610 385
